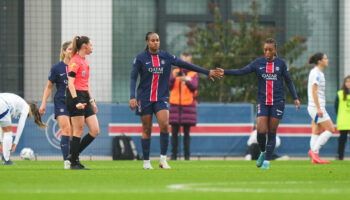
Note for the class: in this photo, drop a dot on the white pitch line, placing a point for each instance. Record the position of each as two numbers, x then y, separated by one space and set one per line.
231 187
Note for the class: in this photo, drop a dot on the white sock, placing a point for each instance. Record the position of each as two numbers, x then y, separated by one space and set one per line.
313 140
321 141
7 144
162 157
146 162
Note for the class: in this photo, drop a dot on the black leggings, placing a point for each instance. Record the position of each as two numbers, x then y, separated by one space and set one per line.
174 140
341 144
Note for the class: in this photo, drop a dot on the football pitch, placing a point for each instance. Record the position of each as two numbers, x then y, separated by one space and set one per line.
186 180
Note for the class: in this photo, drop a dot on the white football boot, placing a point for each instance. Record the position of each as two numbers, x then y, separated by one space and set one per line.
66 164
163 163
147 164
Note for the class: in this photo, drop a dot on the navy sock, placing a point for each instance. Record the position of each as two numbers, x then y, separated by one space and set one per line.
65 146
261 137
85 142
164 141
270 147
146 146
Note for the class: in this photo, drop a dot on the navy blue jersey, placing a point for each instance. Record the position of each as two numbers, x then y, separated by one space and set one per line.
154 71
270 79
58 75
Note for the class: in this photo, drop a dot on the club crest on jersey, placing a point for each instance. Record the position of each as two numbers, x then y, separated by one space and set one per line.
83 73
270 77
162 62
277 68
156 70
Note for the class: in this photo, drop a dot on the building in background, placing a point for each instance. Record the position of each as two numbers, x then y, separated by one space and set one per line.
31 33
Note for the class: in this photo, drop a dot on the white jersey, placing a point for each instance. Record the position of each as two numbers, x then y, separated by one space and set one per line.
18 109
15 104
316 76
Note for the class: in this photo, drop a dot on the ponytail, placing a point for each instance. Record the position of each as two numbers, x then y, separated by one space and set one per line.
315 58
64 47
34 110
78 41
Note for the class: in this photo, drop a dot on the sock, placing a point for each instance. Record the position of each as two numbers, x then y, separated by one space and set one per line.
74 145
146 145
321 141
261 137
65 146
270 146
164 141
313 140
7 144
85 142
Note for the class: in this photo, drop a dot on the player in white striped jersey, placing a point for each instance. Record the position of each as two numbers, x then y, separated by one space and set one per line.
13 106
317 107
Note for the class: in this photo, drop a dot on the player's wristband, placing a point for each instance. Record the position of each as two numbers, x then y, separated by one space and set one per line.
92 100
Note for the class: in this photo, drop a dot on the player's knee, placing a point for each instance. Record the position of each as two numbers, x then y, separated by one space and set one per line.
273 130
65 130
164 129
95 132
147 131
262 130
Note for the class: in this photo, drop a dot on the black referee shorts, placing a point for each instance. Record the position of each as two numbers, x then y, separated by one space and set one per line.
83 97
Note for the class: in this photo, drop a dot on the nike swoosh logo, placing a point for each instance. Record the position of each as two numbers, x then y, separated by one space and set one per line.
61 74
148 63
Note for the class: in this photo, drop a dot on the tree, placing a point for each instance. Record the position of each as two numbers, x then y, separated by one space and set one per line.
219 44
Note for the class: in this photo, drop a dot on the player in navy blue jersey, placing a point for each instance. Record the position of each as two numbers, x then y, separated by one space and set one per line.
58 76
154 67
270 71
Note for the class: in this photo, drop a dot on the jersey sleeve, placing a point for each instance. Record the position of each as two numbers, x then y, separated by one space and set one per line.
183 64
73 68
289 81
315 78
133 77
52 75
238 72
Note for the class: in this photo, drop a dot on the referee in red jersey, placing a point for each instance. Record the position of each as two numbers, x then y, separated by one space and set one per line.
80 103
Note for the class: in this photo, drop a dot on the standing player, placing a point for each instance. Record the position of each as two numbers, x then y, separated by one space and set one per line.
270 71
58 75
342 108
317 107
80 103
154 67
13 106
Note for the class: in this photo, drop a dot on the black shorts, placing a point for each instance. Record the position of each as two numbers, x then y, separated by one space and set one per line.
83 97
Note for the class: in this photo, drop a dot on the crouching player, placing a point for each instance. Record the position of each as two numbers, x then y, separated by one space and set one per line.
13 106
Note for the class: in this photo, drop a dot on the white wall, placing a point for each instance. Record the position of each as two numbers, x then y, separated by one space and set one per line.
37 47
93 19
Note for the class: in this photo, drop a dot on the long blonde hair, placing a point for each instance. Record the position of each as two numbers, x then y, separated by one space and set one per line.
64 47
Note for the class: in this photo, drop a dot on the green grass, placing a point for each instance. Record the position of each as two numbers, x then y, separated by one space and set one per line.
186 180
